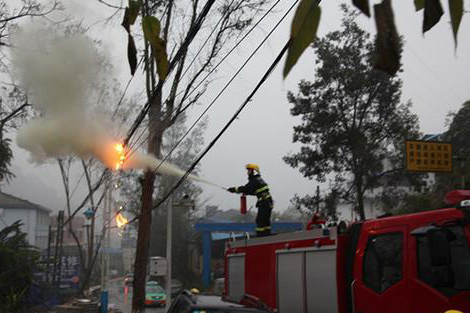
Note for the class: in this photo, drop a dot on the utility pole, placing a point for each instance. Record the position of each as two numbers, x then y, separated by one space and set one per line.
169 223
58 250
48 264
105 256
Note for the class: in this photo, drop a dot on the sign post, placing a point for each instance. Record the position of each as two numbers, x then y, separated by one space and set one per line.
158 266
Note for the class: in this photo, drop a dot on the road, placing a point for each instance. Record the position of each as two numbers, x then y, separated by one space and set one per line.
122 297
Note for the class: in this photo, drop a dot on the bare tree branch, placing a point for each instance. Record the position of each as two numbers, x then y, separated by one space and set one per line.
29 12
111 5
13 113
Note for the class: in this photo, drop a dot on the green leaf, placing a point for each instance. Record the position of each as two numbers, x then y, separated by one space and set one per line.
362 5
456 11
134 8
419 4
161 59
132 54
131 13
432 14
303 32
151 28
388 41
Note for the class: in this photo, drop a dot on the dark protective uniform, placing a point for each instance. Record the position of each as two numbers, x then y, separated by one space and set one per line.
256 186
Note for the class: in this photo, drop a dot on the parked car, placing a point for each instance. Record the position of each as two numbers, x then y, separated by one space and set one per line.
128 279
188 302
154 295
152 283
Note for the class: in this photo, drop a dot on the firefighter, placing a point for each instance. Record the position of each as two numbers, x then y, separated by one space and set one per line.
256 186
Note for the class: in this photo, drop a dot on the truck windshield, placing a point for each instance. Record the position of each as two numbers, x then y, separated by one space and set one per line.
450 279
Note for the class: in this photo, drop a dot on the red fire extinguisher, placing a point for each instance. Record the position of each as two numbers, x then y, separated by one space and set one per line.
243 204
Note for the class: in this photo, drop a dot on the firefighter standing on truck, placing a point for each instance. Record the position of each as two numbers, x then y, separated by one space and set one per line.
256 186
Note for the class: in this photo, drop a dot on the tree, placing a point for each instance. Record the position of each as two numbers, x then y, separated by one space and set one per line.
13 102
457 134
183 215
307 18
172 26
17 263
353 124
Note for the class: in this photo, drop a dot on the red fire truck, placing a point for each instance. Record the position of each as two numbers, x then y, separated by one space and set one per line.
415 263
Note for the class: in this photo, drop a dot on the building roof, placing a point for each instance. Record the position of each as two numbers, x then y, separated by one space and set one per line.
11 202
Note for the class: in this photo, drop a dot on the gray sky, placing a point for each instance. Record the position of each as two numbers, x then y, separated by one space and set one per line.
435 79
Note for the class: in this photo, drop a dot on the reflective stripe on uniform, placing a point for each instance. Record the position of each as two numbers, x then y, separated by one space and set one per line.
264 197
259 228
264 188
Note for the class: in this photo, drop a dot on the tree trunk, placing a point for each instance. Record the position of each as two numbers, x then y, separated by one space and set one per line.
143 236
360 197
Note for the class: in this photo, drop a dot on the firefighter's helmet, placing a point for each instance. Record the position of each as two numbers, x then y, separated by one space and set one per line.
251 166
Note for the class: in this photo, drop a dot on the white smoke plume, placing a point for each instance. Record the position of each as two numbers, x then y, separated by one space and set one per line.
60 72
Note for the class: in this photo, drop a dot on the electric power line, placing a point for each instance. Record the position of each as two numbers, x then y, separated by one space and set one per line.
242 106
215 68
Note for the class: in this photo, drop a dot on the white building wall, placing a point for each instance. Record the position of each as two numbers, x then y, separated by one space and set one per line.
36 232
8 217
32 221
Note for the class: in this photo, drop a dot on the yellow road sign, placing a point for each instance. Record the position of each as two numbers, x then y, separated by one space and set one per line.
428 156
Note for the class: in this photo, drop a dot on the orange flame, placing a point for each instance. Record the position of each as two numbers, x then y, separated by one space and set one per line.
121 220
121 157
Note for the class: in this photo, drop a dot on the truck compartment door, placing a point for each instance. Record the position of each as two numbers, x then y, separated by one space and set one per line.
306 280
321 291
290 282
236 276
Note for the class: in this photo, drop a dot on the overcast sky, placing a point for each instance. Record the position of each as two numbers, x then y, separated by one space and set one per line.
435 79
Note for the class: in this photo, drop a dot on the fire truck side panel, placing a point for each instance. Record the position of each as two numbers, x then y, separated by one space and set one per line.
259 274
262 265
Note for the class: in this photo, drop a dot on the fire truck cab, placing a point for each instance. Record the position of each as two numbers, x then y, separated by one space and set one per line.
415 263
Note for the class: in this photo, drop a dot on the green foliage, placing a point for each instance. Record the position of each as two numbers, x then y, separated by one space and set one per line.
351 116
432 14
388 42
6 156
456 12
457 134
17 261
130 16
418 202
419 4
362 5
308 204
151 29
303 32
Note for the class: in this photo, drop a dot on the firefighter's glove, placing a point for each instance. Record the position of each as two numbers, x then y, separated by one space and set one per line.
232 189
